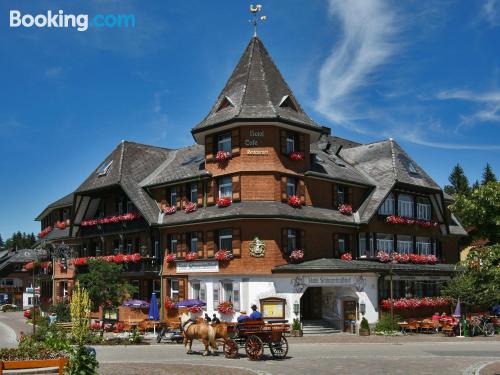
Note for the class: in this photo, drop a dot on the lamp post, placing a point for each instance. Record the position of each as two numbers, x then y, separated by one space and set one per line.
296 308
362 308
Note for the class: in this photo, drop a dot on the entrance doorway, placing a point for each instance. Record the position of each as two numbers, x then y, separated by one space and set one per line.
350 314
311 304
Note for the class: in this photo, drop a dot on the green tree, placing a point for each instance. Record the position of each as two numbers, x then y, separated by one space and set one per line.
479 282
480 211
2 244
459 182
488 175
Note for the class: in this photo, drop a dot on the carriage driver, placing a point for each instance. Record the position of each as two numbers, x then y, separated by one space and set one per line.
255 313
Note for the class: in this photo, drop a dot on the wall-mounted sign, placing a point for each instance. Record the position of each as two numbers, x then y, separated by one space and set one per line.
257 247
253 135
197 266
300 283
418 278
258 152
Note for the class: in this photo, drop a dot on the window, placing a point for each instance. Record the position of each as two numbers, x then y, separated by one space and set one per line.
385 242
412 168
173 244
195 289
423 245
341 195
226 239
423 208
364 246
342 244
387 208
130 207
104 168
174 290
173 196
135 284
405 244
215 295
290 143
193 197
231 292
291 184
225 187
405 205
224 142
292 240
193 241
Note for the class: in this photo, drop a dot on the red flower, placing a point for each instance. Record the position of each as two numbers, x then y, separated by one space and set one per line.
194 309
169 210
224 202
346 256
169 304
294 201
190 256
413 303
225 308
383 257
118 258
170 258
345 209
399 220
110 219
44 232
61 225
297 255
296 155
136 258
223 255
190 207
222 156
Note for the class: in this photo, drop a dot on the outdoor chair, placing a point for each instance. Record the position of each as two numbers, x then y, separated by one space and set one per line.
447 329
412 326
426 326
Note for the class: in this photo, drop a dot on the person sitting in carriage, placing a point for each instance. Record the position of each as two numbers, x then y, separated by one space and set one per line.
255 313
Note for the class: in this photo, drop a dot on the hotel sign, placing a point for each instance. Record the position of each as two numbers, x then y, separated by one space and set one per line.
197 266
300 283
419 278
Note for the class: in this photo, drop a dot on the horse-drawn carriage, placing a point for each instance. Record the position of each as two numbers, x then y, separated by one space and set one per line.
254 336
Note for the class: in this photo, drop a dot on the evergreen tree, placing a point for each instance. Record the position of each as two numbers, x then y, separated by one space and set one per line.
1 242
488 175
475 185
459 182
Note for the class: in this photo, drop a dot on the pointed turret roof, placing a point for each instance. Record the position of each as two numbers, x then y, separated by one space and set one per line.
256 90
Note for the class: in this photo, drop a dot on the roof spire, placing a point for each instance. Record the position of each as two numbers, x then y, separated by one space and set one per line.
254 21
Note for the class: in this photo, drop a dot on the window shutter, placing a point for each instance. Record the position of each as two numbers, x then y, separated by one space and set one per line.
183 245
178 253
283 141
178 197
439 250
236 296
284 240
336 251
235 141
199 235
284 197
209 148
182 289
302 192
236 242
302 143
210 244
216 294
203 291
212 187
200 194
184 189
236 182
169 242
302 240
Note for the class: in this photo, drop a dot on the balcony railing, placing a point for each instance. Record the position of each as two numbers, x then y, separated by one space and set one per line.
147 264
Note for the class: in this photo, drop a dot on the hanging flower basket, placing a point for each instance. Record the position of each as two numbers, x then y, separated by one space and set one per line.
169 210
345 209
296 155
399 220
297 255
44 232
190 207
190 256
294 201
169 304
222 157
224 202
225 308
170 258
346 256
414 303
195 309
223 255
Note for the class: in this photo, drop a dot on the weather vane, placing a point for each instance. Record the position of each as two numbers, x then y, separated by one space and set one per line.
254 10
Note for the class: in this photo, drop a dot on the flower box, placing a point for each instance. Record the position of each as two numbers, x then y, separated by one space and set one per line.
296 155
294 201
223 255
297 255
413 303
190 207
169 210
385 257
222 157
169 304
225 308
345 209
190 256
224 202
118 259
399 220
170 258
44 232
111 219
346 256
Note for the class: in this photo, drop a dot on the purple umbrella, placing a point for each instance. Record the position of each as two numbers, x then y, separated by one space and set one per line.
136 303
190 303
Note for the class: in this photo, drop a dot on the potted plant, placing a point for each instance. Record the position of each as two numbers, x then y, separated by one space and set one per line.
297 328
364 328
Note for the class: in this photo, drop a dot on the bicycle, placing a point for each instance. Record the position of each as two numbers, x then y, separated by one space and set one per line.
482 325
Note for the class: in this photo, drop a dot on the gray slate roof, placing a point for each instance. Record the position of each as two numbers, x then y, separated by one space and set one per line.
57 234
22 256
256 89
181 164
258 209
65 201
338 266
132 162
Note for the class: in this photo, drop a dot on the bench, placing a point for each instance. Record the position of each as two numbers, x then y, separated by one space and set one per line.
64 325
56 364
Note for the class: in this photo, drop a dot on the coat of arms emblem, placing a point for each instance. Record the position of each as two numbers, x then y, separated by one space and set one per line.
257 247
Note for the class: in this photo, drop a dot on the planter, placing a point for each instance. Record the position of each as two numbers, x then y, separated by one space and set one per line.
364 332
296 333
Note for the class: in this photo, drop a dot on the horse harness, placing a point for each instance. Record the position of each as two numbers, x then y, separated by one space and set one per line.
187 324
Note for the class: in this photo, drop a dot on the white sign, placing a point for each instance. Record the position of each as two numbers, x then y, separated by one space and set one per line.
300 283
257 152
197 266
254 134
418 278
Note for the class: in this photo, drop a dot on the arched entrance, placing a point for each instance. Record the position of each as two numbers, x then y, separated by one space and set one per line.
311 304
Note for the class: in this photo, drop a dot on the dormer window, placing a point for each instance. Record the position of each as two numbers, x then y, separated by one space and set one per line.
411 168
287 102
226 102
104 168
224 142
405 205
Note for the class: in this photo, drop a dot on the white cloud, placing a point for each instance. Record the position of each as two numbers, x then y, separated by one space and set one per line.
490 11
53 72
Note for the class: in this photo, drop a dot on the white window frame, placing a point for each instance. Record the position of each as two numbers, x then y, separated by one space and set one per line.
405 205
174 292
291 239
194 193
405 244
341 244
173 196
193 239
340 194
291 186
424 210
364 251
385 244
290 143
387 208
227 236
225 187
424 246
192 284
227 296
224 142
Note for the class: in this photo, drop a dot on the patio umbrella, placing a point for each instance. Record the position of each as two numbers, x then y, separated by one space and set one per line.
136 303
190 303
457 313
154 314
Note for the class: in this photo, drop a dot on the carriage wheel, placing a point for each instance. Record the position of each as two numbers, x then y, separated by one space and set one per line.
489 329
279 349
254 347
230 348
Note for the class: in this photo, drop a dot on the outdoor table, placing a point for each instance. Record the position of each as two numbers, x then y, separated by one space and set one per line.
402 327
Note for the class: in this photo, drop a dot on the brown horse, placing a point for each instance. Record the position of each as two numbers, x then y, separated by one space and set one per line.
200 331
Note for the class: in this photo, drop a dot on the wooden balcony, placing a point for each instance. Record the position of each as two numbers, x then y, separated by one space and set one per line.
146 265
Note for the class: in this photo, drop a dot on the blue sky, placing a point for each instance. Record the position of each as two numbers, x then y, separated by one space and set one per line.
425 73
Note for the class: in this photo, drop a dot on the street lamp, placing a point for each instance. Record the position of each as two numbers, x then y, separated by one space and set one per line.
296 308
362 308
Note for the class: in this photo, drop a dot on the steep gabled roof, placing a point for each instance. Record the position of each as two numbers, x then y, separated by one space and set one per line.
132 162
257 90
65 201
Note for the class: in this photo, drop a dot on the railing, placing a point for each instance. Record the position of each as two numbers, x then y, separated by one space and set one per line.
147 264
11 288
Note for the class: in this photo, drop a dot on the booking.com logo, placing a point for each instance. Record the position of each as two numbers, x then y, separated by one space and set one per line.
80 22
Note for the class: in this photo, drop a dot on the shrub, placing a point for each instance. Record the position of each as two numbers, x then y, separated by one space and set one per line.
9 307
364 325
82 361
386 325
61 309
296 326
